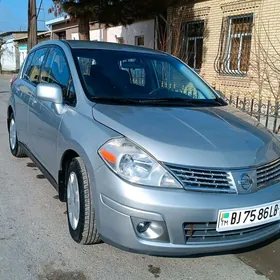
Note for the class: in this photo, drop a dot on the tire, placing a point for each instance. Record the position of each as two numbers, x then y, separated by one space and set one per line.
15 149
83 229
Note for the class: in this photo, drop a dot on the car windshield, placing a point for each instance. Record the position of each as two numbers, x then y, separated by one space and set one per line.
140 77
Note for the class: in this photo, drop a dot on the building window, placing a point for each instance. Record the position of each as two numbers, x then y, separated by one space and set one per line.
240 35
139 41
235 45
61 35
194 34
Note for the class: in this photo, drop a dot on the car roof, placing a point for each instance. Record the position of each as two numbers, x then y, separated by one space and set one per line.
80 44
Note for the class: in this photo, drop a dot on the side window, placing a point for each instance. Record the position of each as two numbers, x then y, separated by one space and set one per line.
26 68
56 70
33 71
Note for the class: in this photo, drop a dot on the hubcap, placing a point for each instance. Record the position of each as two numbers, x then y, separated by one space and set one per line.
73 200
13 134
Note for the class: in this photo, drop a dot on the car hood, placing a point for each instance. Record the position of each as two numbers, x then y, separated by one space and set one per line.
220 137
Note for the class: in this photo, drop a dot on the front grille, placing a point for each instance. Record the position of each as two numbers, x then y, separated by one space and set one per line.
268 174
206 232
204 180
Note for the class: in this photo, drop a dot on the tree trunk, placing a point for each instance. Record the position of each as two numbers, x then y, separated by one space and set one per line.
32 24
84 28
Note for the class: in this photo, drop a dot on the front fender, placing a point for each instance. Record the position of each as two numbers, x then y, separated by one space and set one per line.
83 135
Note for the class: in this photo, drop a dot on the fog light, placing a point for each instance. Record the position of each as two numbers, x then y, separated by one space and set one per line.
143 226
151 230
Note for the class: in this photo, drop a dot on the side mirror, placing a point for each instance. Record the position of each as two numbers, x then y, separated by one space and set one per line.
50 92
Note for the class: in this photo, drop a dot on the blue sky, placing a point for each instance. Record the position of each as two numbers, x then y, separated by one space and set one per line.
13 14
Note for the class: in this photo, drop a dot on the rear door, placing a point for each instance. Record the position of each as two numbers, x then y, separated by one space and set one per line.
26 91
21 95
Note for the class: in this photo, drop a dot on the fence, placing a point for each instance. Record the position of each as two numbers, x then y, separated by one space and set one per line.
266 112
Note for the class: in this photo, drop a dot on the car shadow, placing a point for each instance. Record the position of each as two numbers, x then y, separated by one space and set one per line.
33 165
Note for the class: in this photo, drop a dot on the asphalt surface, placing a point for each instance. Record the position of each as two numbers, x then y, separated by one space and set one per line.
35 243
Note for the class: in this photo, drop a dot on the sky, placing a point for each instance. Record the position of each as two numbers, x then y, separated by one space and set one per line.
13 14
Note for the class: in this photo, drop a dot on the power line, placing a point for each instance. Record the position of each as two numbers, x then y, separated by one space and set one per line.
39 9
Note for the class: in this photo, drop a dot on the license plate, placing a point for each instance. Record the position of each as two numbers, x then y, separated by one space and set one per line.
233 219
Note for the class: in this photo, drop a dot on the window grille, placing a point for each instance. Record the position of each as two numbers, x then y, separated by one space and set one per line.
235 45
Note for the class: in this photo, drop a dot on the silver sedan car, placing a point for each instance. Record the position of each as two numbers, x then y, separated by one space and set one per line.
146 155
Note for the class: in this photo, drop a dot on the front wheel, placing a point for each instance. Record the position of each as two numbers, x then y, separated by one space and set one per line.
80 210
16 150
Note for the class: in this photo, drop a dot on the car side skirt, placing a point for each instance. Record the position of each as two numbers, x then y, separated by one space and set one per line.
39 165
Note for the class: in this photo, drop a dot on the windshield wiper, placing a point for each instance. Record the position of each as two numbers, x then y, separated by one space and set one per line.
183 101
157 101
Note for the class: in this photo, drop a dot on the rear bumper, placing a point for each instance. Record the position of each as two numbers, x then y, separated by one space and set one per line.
119 203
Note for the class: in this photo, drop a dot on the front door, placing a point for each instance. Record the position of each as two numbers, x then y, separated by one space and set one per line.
44 119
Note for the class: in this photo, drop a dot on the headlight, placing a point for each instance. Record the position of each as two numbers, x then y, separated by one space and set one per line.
134 165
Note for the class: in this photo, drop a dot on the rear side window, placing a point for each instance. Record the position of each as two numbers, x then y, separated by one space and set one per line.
27 66
32 70
56 70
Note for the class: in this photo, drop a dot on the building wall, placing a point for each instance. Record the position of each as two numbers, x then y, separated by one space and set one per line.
22 47
8 59
96 35
67 27
70 32
143 28
265 39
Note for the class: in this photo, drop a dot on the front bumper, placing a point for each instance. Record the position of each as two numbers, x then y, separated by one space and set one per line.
117 203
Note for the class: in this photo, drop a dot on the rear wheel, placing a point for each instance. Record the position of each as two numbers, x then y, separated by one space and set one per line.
80 210
16 150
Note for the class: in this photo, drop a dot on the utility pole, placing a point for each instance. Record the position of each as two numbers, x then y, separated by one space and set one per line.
32 24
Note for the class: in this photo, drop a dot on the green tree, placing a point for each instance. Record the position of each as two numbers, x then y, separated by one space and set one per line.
110 12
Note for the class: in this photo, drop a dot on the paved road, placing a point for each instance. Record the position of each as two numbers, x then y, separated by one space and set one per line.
35 244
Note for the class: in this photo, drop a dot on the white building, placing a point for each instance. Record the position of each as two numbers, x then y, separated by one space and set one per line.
141 33
15 49
10 57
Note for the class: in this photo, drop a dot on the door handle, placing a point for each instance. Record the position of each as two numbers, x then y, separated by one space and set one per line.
32 101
